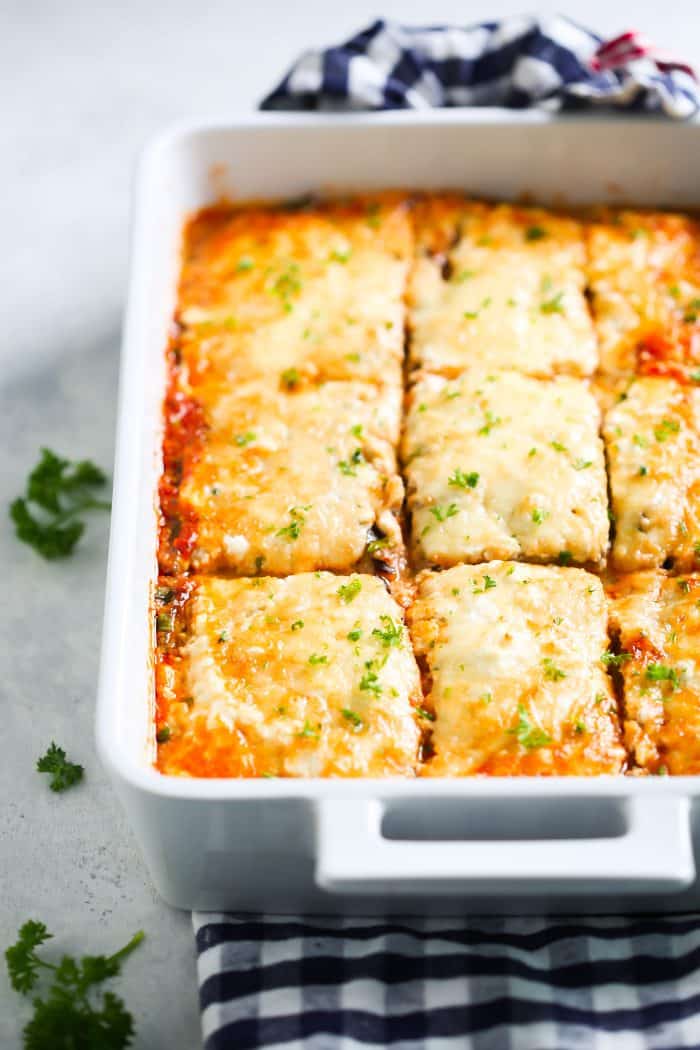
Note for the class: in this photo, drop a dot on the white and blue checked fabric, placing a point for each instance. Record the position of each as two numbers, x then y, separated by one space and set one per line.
321 983
435 984
517 62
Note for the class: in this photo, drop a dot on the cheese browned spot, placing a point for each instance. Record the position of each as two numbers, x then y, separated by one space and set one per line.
499 286
312 675
501 465
512 655
644 274
652 439
289 482
658 621
310 294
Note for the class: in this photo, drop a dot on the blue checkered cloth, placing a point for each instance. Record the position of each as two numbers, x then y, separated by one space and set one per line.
517 62
437 984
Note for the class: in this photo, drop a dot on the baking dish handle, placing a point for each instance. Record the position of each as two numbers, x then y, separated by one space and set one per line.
652 854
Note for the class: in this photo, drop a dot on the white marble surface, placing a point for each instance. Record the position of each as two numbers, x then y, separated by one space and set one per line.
83 86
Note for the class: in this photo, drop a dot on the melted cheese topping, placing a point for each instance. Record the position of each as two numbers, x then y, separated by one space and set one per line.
658 620
316 294
652 438
291 482
500 465
513 657
644 274
500 286
307 676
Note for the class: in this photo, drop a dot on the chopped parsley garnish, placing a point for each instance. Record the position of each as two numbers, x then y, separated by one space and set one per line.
71 1012
58 492
553 305
663 673
489 584
558 447
579 728
290 378
427 715
460 480
349 466
390 634
535 233
164 595
297 625
695 376
64 774
165 621
665 428
352 717
308 731
615 659
377 545
244 439
355 634
443 513
529 735
244 264
339 256
163 734
490 421
296 524
565 557
316 658
347 592
551 671
471 315
539 515
356 430
369 683
582 464
643 471
287 284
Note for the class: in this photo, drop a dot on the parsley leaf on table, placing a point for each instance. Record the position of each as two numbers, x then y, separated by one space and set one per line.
63 773
72 1014
58 492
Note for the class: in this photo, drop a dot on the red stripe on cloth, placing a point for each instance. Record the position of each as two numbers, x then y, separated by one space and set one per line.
626 47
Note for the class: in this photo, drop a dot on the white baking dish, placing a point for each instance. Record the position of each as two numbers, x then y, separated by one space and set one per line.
443 847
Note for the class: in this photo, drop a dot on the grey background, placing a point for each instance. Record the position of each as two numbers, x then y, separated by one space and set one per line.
82 86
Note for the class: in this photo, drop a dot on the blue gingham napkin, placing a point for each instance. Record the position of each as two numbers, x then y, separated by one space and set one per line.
520 61
434 984
321 983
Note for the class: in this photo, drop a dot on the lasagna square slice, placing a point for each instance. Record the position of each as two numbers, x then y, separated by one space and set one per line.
652 439
312 675
511 656
501 465
644 275
289 482
311 294
657 619
501 286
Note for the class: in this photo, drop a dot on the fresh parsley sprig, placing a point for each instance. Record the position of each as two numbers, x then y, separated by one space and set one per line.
72 1014
63 773
58 493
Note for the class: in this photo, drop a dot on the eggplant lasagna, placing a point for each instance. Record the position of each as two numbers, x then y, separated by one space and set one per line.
430 501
